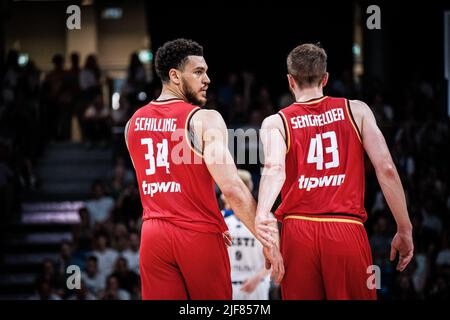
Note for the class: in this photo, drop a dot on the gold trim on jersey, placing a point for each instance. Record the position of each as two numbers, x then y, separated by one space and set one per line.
288 132
319 219
352 121
312 101
159 103
186 133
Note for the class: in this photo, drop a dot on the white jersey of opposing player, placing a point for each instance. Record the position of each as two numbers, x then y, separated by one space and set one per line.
246 259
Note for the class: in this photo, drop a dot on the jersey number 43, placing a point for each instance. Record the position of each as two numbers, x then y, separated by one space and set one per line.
315 153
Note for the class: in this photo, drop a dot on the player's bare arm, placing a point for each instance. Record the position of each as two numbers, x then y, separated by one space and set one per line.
273 176
272 179
211 131
387 175
251 283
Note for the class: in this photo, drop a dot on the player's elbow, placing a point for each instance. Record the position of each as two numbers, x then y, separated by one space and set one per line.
234 191
387 170
275 170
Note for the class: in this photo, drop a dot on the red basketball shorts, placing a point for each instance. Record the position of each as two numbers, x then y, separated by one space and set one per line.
325 258
180 264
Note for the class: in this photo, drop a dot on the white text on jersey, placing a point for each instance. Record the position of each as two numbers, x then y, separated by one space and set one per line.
155 187
325 181
317 120
154 124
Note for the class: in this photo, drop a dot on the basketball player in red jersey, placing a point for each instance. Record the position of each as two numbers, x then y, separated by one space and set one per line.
178 151
314 155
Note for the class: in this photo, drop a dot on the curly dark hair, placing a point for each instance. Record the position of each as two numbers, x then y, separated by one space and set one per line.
173 54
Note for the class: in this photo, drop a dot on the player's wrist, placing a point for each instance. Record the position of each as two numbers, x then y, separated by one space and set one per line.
404 229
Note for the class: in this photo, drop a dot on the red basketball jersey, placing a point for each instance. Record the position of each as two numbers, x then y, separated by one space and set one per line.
324 160
174 182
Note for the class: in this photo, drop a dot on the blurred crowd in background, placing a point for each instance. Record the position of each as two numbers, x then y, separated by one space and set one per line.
69 103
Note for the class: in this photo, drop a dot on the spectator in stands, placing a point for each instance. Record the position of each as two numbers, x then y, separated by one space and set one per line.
97 121
131 254
82 293
120 238
121 176
65 259
100 206
134 85
404 288
44 291
421 272
128 280
128 206
94 282
49 276
52 95
440 290
90 77
82 232
113 291
105 255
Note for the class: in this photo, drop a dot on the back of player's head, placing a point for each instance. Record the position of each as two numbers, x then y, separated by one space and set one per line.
246 177
307 64
173 55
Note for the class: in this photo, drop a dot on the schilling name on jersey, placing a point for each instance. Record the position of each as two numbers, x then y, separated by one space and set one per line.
157 125
317 120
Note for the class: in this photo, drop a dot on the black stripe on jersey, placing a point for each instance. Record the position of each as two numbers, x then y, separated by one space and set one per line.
285 130
353 119
192 140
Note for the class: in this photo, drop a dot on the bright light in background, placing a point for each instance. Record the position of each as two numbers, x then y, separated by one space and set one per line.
146 56
142 96
23 59
356 50
115 101
112 13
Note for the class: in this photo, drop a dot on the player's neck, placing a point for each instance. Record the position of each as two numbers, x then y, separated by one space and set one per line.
168 92
307 94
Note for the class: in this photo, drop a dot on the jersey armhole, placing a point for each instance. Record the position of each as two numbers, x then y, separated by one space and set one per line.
287 134
352 120
190 136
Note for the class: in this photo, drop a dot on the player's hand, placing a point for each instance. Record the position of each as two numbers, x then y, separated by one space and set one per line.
228 238
274 260
403 243
250 284
266 230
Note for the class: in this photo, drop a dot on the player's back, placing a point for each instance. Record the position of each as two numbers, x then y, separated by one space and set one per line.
324 160
174 182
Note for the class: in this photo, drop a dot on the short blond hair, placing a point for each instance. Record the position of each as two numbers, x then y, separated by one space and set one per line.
307 64
246 177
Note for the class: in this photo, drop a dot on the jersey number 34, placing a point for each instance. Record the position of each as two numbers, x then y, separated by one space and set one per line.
161 156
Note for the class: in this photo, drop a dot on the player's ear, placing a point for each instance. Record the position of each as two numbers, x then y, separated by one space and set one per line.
292 83
325 79
175 76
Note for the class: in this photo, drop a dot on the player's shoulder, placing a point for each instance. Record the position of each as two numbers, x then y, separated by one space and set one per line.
358 103
359 108
209 118
273 121
209 114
